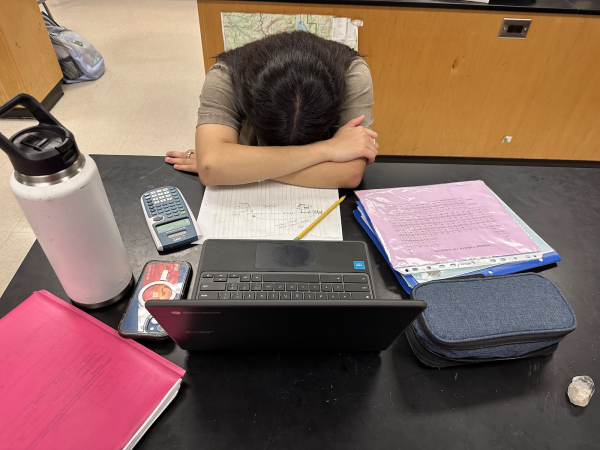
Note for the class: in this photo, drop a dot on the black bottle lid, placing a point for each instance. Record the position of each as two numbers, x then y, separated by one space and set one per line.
44 149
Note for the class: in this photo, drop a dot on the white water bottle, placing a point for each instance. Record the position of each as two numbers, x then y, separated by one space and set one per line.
60 192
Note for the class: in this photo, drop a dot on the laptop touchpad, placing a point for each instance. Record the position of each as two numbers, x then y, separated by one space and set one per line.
286 256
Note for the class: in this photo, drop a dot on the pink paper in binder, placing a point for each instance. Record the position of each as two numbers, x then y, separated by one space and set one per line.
443 223
68 381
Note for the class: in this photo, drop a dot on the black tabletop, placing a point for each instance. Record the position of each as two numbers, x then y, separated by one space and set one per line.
591 7
386 400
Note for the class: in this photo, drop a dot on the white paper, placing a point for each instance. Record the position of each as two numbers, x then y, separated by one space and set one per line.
268 210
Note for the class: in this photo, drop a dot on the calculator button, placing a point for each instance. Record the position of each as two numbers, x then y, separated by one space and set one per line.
158 218
182 212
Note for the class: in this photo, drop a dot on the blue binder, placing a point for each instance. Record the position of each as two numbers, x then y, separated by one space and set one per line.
408 281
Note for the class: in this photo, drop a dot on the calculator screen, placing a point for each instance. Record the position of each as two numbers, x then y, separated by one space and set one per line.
173 225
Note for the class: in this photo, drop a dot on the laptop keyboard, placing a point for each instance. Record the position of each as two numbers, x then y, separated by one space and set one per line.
284 286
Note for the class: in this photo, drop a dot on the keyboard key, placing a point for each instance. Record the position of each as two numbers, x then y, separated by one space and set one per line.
297 296
232 286
361 296
218 278
272 295
234 275
356 287
356 279
337 287
207 275
285 296
256 277
333 296
314 287
303 286
208 295
326 287
279 287
221 275
345 296
237 295
245 277
244 287
256 286
321 296
248 295
223 295
331 278
267 286
210 286
292 277
291 287
261 296
309 296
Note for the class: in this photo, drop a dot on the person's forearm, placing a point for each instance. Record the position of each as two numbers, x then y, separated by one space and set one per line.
328 175
232 164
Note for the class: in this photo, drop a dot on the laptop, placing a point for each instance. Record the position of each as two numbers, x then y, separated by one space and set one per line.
284 295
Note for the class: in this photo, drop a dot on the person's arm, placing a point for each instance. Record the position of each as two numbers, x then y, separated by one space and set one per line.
222 161
328 175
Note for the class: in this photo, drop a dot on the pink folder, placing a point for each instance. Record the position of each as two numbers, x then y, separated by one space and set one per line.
68 381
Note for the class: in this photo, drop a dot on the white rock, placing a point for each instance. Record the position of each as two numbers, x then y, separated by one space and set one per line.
581 390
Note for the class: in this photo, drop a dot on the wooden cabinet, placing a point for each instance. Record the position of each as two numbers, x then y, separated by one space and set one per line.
446 85
27 60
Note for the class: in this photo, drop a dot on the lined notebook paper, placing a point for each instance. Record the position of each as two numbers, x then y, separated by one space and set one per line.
69 381
268 210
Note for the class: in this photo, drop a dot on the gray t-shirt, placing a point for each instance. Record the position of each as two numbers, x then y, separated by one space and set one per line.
217 100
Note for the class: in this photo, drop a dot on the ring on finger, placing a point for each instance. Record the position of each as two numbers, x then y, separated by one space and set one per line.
189 154
374 140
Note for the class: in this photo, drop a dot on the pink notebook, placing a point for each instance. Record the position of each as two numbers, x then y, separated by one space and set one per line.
68 381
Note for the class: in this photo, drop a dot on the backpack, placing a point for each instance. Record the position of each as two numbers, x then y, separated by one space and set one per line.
78 59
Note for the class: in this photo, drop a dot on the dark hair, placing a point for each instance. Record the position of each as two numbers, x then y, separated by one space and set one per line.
289 86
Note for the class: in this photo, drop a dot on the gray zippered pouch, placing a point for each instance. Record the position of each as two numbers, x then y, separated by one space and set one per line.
488 319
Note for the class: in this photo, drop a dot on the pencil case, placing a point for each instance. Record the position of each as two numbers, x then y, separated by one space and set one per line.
489 319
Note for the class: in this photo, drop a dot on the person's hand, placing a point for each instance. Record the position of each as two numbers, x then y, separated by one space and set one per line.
352 141
181 161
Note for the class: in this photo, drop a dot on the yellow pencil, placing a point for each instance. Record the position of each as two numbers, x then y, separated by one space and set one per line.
321 217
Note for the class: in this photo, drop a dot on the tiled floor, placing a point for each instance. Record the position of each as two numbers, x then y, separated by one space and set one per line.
145 104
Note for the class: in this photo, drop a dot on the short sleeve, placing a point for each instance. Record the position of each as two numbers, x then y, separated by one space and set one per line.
358 95
217 100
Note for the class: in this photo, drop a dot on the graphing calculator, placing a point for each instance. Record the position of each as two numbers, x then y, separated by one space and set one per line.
169 218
